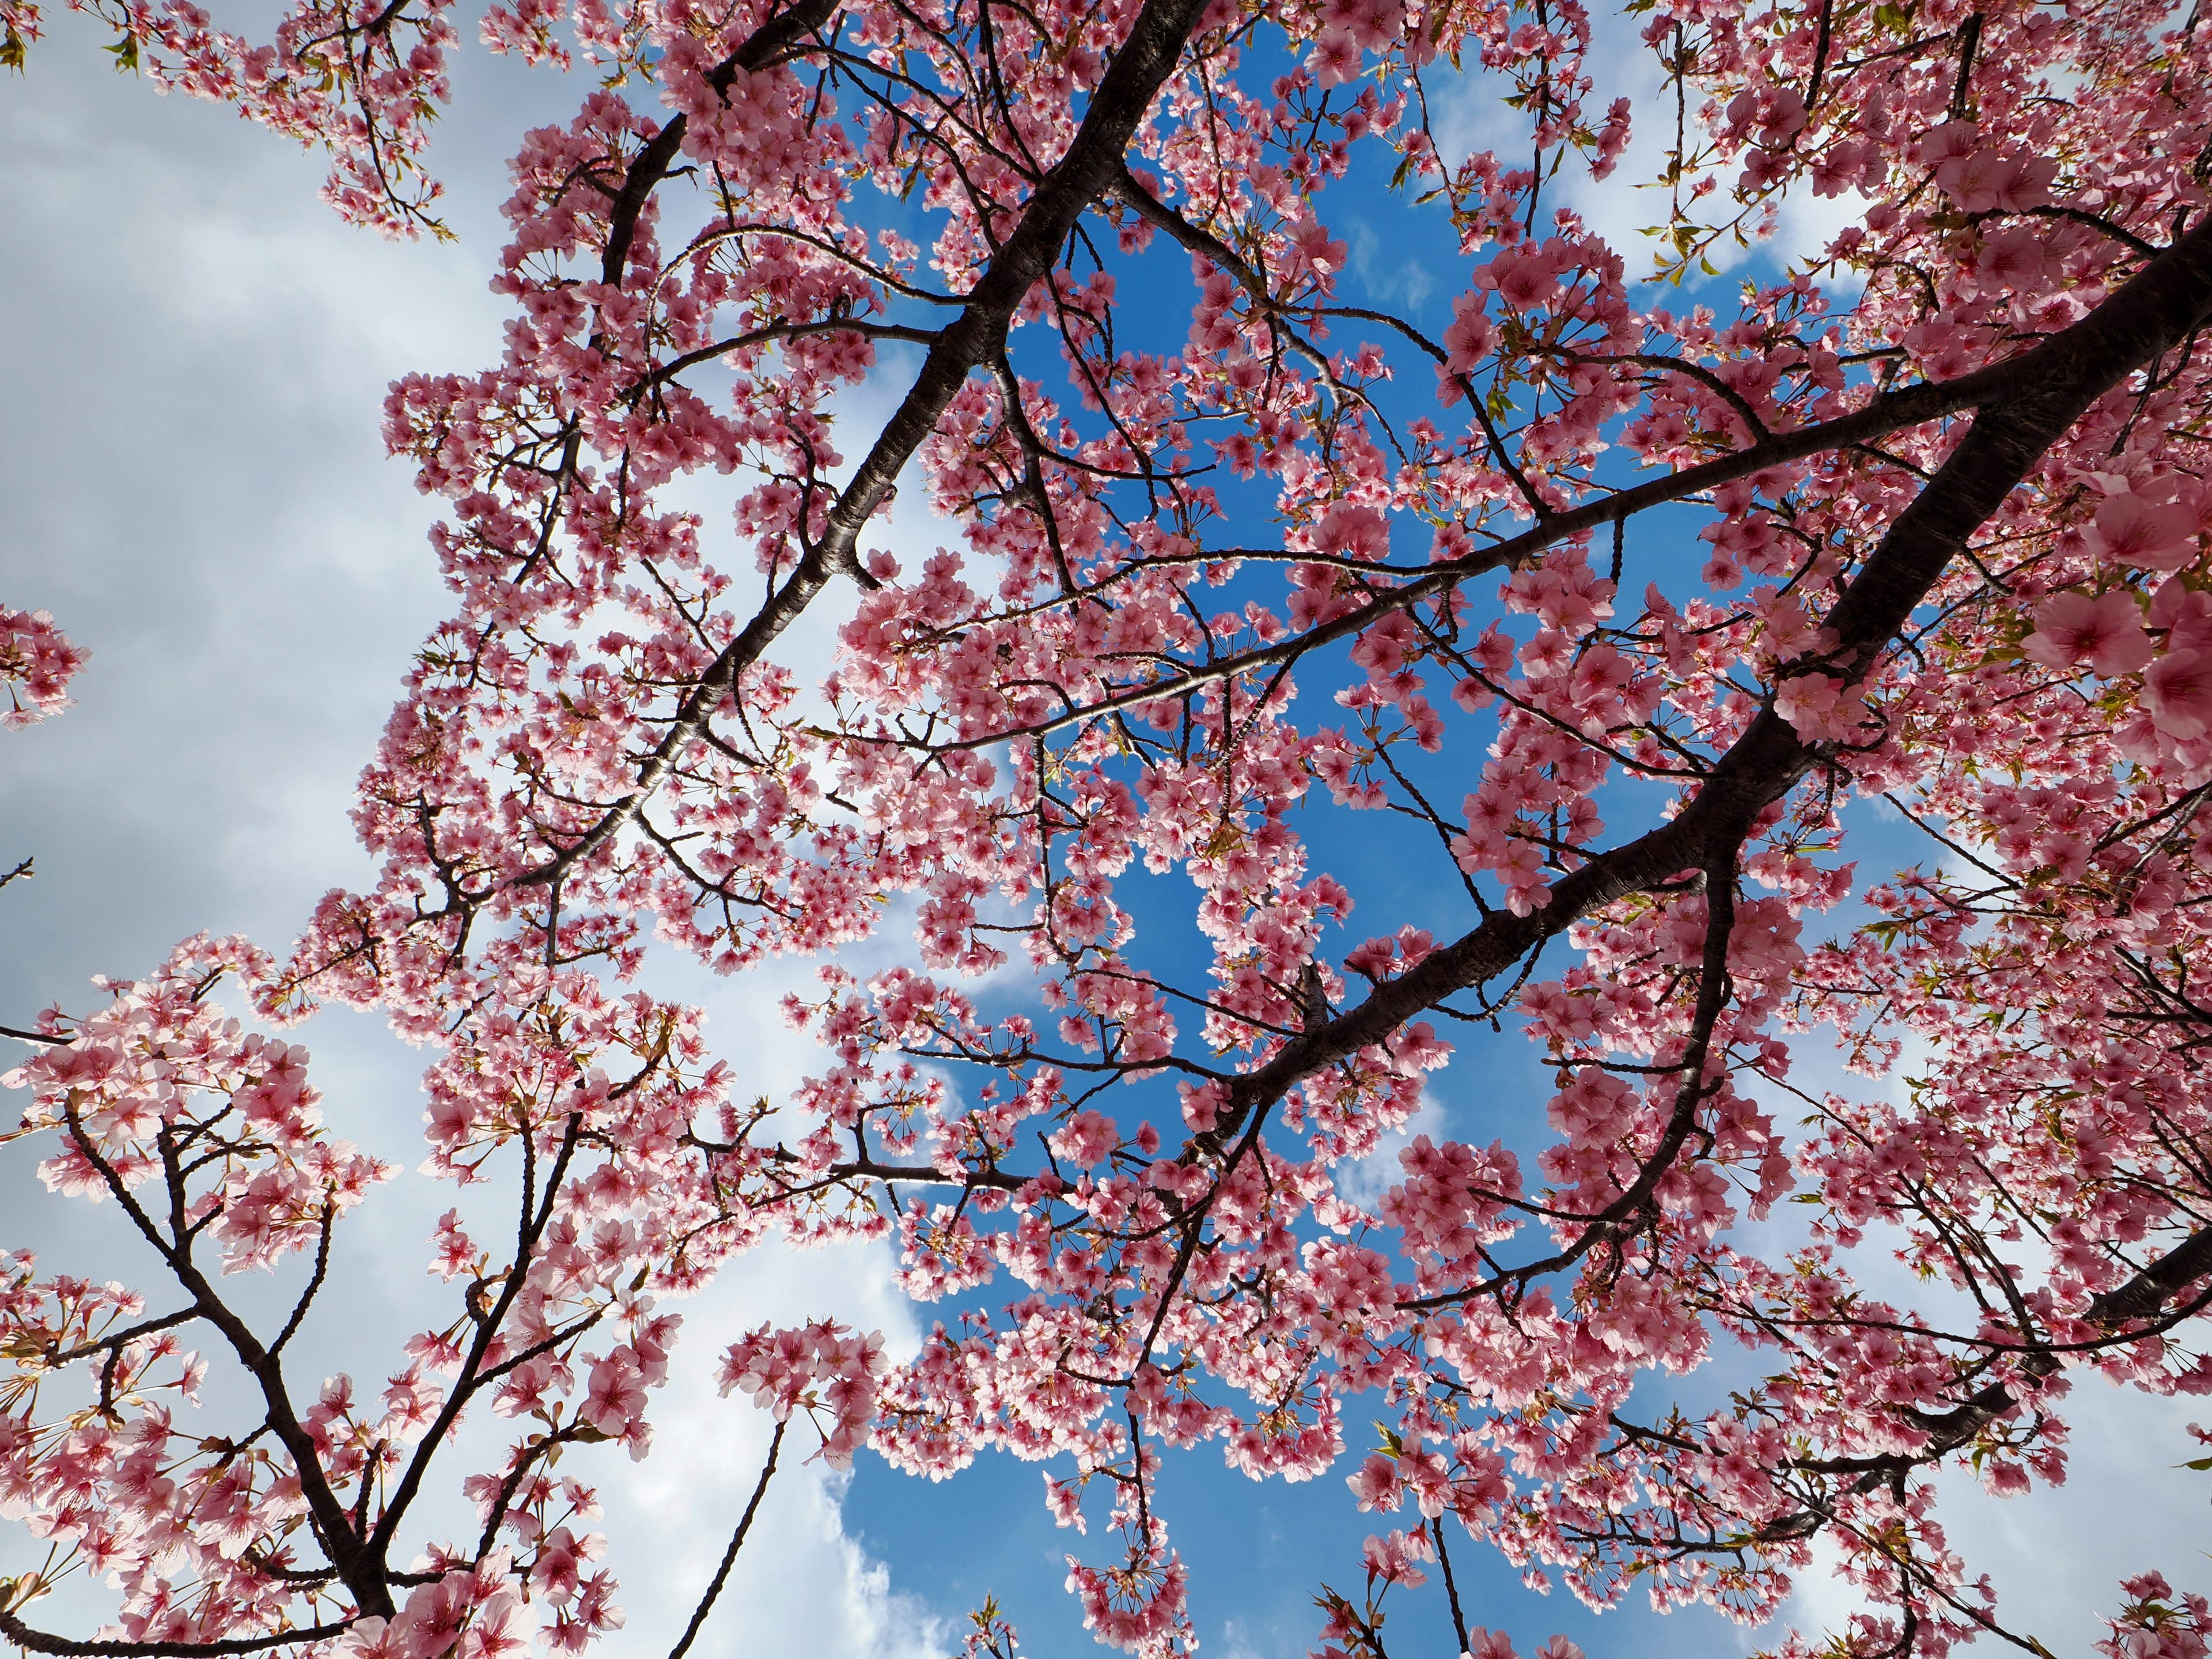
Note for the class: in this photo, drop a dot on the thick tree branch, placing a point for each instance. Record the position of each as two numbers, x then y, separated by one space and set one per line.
38 1641
2024 406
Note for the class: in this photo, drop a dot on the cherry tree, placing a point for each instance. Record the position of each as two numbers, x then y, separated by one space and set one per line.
1603 600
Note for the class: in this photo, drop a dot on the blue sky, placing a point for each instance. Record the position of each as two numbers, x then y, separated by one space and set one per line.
196 351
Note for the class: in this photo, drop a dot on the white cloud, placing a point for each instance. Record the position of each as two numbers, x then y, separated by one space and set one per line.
801 1583
1470 115
197 491
197 352
1363 1181
1387 272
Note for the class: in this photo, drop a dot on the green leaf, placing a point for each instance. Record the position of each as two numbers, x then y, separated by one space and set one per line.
126 53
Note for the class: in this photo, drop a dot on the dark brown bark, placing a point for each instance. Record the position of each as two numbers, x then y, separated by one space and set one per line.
22 1635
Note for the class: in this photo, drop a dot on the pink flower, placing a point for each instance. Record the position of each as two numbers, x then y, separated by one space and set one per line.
616 1395
2013 260
1469 339
2180 687
1990 178
1375 1485
371 1638
1335 58
1524 279
431 1621
2106 632
1086 1139
2131 531
1819 706
1202 1103
36 663
1391 1559
498 1629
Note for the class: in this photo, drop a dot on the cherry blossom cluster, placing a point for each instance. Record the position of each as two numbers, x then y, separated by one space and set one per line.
1084 771
2157 1624
821 1368
37 662
361 81
160 1087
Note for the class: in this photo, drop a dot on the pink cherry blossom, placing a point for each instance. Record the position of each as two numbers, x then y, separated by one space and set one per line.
2105 632
37 663
1037 784
2179 684
2130 530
